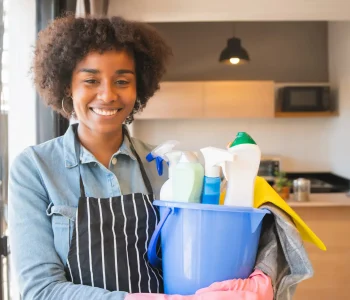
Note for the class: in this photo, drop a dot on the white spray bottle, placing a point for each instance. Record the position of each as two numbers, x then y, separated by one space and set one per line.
242 172
214 159
159 152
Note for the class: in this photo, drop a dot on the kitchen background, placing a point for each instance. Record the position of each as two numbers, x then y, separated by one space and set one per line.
300 42
285 52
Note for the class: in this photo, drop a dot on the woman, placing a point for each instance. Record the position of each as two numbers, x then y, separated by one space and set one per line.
80 205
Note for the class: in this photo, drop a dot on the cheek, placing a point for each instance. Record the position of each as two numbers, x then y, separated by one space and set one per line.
80 98
129 98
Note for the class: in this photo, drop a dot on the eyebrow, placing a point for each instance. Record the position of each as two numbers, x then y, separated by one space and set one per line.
118 72
124 71
93 71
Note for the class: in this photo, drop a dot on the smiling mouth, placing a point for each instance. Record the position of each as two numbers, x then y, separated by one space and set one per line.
105 112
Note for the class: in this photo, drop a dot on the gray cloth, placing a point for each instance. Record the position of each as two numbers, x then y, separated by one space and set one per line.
281 253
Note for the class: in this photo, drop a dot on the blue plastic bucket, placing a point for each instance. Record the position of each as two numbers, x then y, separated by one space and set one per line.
202 244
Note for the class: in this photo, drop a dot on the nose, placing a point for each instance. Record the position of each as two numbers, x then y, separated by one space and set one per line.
107 93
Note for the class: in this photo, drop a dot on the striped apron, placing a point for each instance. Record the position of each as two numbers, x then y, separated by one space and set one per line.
110 239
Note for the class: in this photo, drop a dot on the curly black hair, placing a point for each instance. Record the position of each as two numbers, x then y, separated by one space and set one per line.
67 40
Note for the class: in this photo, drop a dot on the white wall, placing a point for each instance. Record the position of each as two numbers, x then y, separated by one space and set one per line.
302 143
339 67
22 33
230 10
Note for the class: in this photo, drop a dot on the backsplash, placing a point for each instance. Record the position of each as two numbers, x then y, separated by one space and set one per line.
302 143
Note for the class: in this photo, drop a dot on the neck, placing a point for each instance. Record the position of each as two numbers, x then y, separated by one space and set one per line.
102 146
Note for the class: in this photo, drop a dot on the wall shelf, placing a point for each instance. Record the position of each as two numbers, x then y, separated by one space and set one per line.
223 99
306 114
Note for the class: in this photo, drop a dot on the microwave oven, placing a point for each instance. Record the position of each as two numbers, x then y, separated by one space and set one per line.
268 167
306 99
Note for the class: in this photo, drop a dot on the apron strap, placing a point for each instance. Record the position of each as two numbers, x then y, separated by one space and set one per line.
82 189
142 169
81 184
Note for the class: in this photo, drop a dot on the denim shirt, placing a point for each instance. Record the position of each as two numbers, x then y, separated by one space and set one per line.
43 197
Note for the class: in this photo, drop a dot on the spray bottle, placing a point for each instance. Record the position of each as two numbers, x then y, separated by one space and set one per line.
187 178
159 152
242 172
214 159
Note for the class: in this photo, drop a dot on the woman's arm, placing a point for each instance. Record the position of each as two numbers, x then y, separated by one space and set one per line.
35 262
257 287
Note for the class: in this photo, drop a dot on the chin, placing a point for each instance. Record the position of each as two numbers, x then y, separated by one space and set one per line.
106 128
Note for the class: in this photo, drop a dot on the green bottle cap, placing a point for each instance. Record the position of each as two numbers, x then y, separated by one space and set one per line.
242 138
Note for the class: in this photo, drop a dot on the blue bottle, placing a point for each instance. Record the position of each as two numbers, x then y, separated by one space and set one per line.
211 190
214 159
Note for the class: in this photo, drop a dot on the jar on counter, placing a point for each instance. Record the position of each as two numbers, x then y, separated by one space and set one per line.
301 189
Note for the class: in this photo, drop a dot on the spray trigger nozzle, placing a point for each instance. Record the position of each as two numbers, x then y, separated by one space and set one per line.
159 162
159 154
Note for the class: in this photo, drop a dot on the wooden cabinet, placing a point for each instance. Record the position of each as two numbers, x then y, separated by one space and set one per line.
175 100
211 99
239 99
221 99
331 267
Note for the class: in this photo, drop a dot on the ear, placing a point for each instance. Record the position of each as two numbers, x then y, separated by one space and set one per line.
68 91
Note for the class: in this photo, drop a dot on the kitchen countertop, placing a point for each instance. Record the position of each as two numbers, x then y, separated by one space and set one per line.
322 200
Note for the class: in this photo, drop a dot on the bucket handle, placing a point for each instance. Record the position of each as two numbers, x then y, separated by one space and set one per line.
152 247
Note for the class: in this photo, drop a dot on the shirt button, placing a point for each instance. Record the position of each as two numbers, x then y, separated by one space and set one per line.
114 161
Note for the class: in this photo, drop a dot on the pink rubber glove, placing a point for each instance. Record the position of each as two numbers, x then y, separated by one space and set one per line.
257 287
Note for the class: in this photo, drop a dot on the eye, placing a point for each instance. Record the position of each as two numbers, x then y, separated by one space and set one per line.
122 82
90 81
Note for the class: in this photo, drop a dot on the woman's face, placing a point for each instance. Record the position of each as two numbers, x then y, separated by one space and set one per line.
104 90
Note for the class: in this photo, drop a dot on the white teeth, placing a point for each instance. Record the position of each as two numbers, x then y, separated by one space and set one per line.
103 112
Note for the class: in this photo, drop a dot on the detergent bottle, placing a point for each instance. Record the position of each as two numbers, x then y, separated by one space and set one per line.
214 159
241 173
187 178
159 152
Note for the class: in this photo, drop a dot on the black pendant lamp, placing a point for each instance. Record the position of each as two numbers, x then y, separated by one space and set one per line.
234 53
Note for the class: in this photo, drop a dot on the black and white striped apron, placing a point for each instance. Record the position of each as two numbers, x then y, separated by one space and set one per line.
110 239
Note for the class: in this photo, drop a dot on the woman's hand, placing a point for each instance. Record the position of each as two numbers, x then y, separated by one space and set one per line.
257 287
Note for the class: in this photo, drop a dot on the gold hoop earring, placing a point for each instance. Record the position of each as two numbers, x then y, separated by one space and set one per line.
72 113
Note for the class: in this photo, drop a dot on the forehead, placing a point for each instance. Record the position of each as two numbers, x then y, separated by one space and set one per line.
108 60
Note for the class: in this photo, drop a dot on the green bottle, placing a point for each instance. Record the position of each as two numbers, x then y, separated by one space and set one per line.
187 178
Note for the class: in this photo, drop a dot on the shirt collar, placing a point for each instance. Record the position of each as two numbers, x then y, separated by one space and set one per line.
125 148
71 147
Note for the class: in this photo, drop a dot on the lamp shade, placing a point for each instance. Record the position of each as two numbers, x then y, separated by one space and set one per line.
234 53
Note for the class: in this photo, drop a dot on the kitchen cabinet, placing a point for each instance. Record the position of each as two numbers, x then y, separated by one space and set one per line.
211 99
175 100
239 99
328 215
221 99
